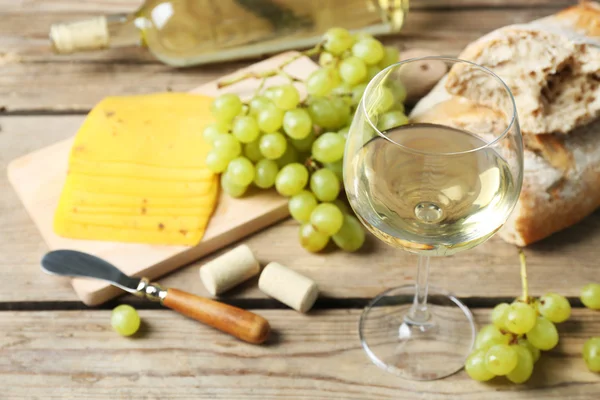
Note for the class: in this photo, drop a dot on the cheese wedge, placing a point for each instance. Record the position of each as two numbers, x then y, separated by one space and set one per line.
137 172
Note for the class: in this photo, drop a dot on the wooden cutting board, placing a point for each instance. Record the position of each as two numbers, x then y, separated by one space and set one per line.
38 179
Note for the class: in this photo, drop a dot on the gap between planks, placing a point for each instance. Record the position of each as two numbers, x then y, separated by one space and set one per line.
324 303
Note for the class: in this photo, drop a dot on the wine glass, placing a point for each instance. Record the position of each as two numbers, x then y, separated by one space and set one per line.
441 183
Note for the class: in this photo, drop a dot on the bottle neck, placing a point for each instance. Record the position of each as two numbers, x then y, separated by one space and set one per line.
118 30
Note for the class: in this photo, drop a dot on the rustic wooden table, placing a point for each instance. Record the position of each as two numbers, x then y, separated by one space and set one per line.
53 347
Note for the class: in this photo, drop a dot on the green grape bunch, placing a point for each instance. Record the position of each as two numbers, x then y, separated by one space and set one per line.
280 140
518 333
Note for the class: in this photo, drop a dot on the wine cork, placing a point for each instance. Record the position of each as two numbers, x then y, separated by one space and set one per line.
229 270
90 34
289 287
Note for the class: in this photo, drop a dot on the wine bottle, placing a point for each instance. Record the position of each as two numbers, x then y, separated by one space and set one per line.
191 32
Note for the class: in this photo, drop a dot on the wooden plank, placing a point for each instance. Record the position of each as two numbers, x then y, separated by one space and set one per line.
112 6
79 81
562 263
58 355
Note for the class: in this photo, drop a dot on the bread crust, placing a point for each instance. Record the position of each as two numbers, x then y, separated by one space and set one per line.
552 66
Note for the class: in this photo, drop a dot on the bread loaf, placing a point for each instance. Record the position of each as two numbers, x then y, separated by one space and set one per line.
561 183
551 65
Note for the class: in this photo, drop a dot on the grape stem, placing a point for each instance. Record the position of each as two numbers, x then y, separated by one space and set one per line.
277 71
524 276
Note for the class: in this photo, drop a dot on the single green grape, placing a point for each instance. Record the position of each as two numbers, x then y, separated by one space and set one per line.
544 335
383 99
328 148
535 352
499 315
272 145
488 336
554 307
391 119
286 97
325 185
266 173
231 188
226 107
269 93
252 151
337 167
291 179
353 70
357 93
391 56
475 367
342 111
369 50
227 146
323 113
245 129
326 59
501 359
289 156
311 239
372 71
351 235
343 206
215 162
241 171
270 119
591 354
522 372
259 103
305 144
302 205
398 90
321 82
297 123
125 320
327 218
344 132
361 35
213 130
520 318
337 40
590 296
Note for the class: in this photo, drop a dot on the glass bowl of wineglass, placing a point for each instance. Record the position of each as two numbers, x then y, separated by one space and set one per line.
440 183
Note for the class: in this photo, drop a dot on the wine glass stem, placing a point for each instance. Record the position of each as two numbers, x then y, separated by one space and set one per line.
418 312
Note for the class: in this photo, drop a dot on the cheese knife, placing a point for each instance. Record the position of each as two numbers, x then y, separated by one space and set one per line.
242 324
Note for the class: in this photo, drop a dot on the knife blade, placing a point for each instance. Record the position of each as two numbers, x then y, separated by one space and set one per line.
242 324
76 263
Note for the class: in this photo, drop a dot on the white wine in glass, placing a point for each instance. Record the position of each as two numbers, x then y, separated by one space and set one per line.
434 189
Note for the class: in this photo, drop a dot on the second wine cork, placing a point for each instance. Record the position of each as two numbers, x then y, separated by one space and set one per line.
229 270
288 286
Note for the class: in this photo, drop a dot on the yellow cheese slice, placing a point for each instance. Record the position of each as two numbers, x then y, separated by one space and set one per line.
83 198
145 223
162 130
171 207
141 187
107 233
130 170
137 172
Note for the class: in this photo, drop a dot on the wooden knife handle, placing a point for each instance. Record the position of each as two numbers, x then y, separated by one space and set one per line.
242 324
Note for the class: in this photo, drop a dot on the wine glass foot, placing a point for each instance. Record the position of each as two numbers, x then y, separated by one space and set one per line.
423 349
